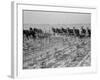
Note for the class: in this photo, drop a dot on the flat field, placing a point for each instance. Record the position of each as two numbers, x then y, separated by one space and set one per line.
56 52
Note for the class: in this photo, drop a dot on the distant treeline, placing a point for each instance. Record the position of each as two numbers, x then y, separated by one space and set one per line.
39 33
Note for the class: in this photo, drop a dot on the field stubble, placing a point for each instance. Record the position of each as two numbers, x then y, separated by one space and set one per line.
56 52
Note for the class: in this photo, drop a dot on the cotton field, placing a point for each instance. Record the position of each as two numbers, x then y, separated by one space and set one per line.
57 49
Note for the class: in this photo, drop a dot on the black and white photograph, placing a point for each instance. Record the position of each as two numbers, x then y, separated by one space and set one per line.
54 39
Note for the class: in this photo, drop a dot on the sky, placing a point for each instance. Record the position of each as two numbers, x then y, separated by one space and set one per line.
44 17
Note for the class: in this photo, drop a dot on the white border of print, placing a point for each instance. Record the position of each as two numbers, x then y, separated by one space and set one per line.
17 70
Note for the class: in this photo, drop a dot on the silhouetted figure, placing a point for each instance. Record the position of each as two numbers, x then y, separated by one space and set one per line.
76 32
70 32
89 32
83 32
64 30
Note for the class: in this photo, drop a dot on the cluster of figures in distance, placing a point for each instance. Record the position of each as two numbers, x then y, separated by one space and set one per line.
39 33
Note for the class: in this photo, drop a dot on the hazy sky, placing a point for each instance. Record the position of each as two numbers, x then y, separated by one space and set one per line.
43 17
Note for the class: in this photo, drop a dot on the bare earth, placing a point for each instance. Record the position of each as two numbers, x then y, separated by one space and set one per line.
56 52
